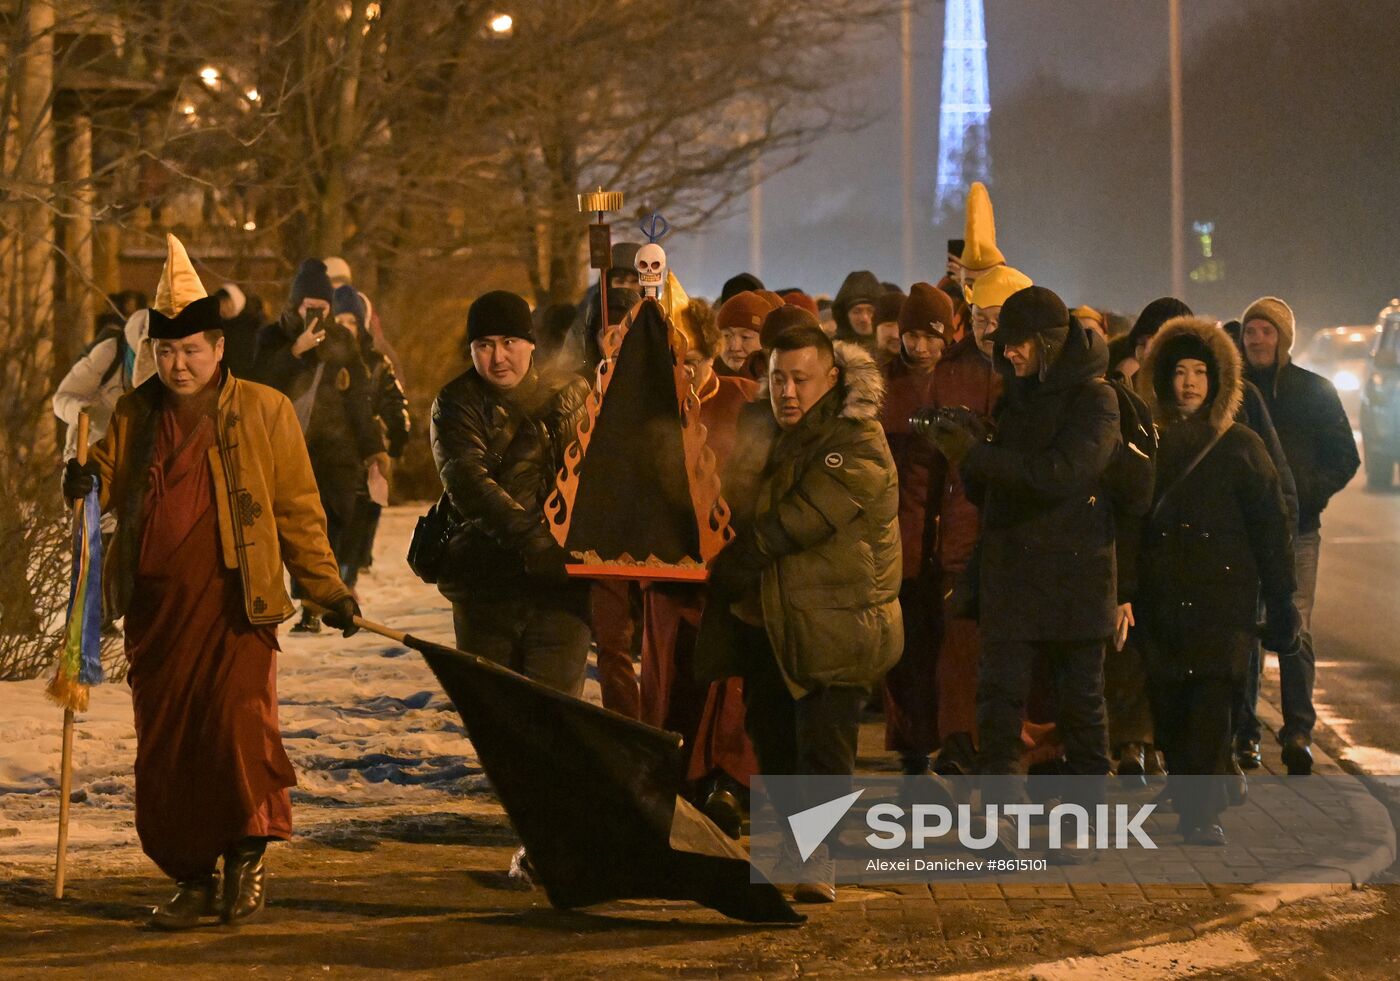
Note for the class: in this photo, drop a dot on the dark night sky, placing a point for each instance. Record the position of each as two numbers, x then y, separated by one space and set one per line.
839 209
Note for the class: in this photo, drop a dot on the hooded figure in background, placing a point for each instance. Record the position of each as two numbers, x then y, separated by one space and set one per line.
352 311
1126 353
316 362
1217 538
854 309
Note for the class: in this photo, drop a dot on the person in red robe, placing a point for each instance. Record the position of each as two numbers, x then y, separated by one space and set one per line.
709 717
925 319
213 492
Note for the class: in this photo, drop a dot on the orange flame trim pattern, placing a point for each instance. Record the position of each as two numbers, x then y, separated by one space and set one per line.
711 512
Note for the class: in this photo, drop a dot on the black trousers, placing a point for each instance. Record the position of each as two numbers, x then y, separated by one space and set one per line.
1194 724
1075 670
815 734
544 636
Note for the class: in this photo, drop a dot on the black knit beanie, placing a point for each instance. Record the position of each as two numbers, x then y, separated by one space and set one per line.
500 313
311 281
735 285
1155 314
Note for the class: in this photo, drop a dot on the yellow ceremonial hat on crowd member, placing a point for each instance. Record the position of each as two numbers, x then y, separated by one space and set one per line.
1087 313
980 235
674 298
179 284
995 286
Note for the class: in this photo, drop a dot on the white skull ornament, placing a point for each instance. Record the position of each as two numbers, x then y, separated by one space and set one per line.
651 269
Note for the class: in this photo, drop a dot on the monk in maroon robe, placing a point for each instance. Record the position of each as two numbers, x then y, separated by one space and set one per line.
215 499
210 768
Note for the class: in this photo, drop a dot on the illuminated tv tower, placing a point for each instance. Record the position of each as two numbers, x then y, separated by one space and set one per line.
965 109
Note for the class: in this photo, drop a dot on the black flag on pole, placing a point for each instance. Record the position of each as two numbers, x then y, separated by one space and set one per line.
594 796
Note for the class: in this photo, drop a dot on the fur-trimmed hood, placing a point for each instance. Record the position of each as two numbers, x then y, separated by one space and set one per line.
861 381
1178 338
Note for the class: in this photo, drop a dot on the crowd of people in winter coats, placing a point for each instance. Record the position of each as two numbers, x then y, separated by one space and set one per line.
1038 546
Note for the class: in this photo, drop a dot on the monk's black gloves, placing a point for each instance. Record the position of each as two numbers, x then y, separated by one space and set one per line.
341 615
79 479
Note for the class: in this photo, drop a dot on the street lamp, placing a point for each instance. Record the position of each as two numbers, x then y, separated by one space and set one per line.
501 24
209 74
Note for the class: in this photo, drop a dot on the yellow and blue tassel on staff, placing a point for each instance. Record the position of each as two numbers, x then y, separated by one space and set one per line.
80 661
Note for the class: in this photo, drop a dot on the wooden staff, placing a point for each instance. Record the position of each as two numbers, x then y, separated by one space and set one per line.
65 773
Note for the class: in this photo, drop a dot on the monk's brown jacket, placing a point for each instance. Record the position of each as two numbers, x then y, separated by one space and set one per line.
269 509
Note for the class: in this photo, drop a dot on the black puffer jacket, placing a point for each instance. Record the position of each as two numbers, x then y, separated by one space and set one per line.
498 454
1219 534
1048 570
1254 413
1315 434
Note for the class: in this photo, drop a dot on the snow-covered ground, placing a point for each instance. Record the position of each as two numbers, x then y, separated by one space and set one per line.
368 729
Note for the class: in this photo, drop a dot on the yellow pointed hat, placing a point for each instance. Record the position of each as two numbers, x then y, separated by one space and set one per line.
179 284
980 237
674 298
995 287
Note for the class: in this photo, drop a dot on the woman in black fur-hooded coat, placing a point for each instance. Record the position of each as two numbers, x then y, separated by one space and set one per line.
1217 537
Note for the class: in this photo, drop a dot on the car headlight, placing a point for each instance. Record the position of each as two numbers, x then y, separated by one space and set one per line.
1346 381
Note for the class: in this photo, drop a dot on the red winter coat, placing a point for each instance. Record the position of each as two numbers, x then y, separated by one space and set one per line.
918 465
964 376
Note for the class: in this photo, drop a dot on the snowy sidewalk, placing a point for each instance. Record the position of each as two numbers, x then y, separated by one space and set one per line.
364 721
401 848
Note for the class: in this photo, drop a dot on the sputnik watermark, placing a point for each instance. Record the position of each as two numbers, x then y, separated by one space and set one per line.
893 826
1111 825
883 828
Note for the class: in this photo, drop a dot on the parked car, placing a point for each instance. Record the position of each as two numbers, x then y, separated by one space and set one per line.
1340 354
1380 401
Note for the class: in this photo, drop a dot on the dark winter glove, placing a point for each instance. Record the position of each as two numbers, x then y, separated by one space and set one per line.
341 616
953 439
79 479
736 570
1281 633
548 565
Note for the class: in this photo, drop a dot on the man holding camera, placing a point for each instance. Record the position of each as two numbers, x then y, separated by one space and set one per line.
316 363
1047 573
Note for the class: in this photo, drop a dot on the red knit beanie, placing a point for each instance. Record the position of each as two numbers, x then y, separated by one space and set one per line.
926 308
744 311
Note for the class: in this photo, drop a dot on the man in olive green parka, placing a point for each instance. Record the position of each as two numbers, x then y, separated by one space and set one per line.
805 600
